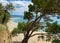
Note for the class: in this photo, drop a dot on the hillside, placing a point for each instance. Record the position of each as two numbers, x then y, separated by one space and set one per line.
5 36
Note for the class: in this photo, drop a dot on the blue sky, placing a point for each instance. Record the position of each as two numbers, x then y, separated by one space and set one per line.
20 6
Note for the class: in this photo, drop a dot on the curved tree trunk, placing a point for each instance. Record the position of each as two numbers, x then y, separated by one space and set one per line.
26 37
29 28
25 40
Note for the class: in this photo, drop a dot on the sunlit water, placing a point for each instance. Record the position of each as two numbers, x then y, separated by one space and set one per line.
18 19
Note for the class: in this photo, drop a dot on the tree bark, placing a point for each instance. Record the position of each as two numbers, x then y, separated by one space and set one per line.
25 40
26 37
30 27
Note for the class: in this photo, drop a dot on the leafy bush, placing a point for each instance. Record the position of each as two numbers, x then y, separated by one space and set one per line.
56 41
15 31
20 28
53 28
4 12
2 15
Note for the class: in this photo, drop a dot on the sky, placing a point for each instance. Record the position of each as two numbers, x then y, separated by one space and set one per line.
20 6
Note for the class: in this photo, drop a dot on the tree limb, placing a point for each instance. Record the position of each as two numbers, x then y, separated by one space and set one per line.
37 34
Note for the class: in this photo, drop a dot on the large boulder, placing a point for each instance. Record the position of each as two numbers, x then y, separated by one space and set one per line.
5 36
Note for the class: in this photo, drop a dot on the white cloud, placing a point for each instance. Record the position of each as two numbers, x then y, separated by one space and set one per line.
20 6
4 2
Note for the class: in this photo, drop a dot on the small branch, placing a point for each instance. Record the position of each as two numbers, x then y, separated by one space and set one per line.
37 34
31 32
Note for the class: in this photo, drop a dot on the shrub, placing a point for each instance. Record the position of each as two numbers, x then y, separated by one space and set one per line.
56 41
20 28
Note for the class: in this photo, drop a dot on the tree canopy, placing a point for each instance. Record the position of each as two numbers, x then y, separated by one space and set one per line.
28 16
4 12
46 9
53 28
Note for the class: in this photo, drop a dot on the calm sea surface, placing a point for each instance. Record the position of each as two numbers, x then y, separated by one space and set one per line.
18 18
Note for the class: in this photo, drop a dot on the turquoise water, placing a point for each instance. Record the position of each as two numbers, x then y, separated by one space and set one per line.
18 19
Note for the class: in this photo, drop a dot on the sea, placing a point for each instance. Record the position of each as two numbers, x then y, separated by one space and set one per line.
18 18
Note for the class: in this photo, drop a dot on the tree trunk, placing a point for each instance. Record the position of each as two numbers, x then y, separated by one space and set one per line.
25 40
26 37
30 27
4 17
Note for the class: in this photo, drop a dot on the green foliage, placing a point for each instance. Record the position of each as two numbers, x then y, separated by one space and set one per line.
28 15
7 17
53 28
47 9
31 8
15 31
20 28
9 7
49 6
56 41
4 12
2 15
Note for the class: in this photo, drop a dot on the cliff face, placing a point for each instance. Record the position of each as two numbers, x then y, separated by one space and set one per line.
5 36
